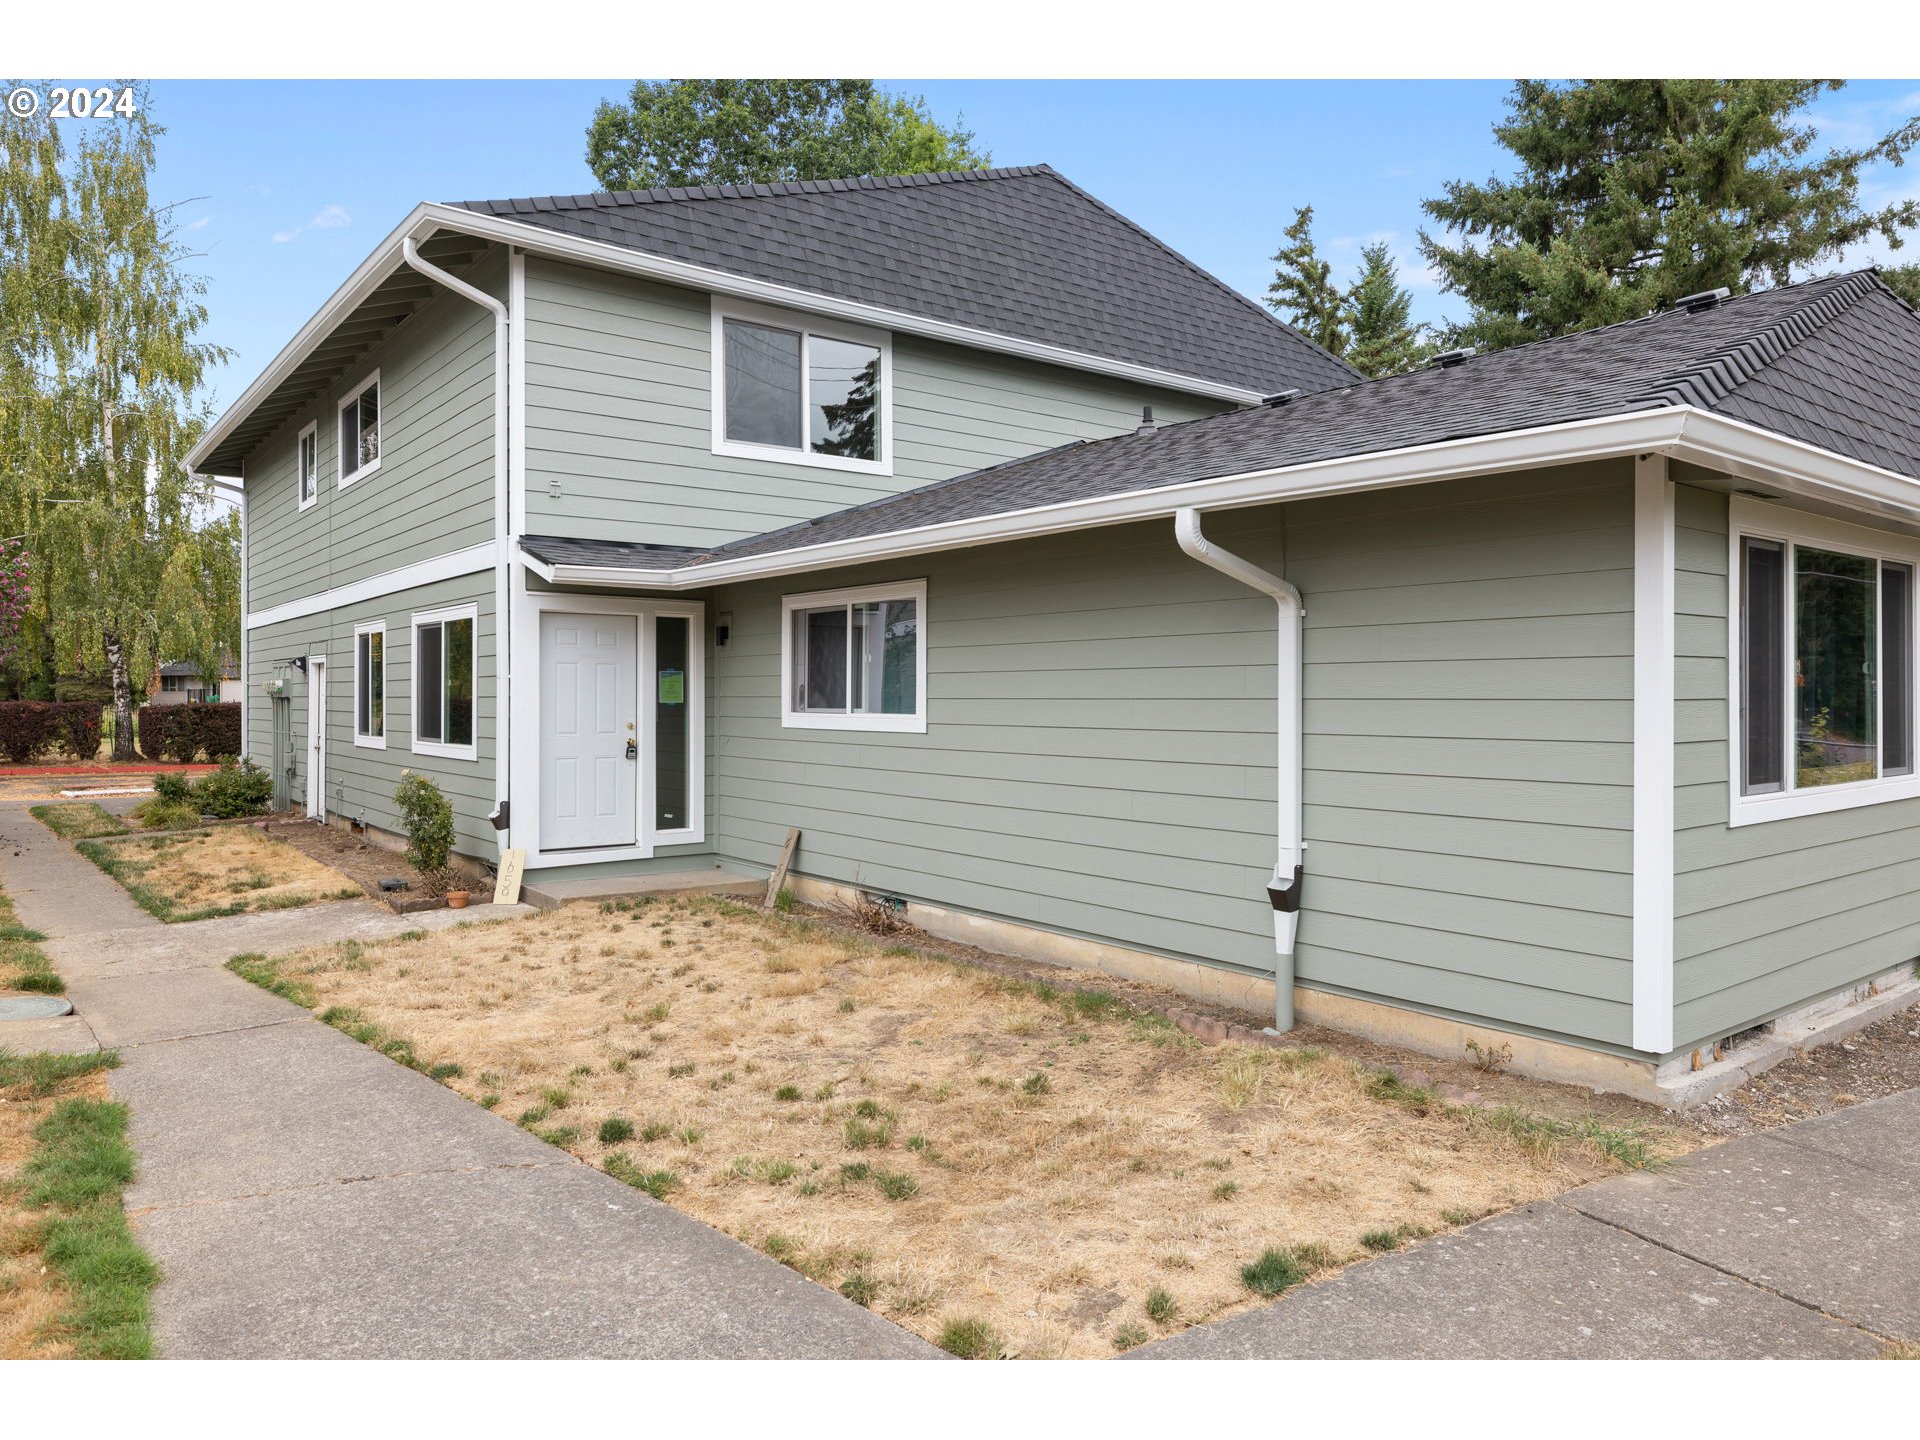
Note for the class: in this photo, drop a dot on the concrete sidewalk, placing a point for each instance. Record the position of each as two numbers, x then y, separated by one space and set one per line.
307 1197
1793 1243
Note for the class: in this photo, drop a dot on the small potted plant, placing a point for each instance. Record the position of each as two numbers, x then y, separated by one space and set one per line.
429 824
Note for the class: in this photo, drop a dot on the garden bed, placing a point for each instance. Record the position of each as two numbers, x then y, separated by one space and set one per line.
229 870
1001 1166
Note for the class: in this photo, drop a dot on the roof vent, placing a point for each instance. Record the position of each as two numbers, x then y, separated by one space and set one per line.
1447 359
1147 422
1282 398
1704 300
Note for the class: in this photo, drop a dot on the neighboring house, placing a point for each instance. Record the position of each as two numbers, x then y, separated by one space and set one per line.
829 506
179 682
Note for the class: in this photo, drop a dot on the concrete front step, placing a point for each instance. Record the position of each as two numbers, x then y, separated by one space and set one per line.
551 894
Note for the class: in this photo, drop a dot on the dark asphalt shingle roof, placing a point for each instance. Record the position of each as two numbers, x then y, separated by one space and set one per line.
615 554
1832 362
1018 251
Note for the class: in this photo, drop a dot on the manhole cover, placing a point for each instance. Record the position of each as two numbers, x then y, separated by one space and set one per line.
33 1007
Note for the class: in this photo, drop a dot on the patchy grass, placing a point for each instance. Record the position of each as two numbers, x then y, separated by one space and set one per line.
73 1282
23 964
947 1146
79 820
202 874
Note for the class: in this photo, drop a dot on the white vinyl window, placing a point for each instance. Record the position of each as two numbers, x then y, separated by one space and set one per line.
856 659
443 683
1823 645
360 431
793 389
370 684
308 460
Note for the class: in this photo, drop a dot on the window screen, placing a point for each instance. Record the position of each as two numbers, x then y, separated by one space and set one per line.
1763 608
762 385
1896 669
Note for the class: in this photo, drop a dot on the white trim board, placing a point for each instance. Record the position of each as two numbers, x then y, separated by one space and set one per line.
449 566
1653 758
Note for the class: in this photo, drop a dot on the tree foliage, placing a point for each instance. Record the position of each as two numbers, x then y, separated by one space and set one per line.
1368 324
746 132
1632 193
100 397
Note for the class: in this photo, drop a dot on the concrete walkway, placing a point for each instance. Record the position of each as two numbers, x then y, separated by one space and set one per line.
1793 1243
307 1197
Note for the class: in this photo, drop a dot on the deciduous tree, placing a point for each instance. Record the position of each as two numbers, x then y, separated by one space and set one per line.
746 132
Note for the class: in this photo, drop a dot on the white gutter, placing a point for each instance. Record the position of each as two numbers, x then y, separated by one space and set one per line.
1685 433
426 218
1284 889
502 530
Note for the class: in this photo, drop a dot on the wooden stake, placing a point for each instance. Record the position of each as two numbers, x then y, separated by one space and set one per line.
777 881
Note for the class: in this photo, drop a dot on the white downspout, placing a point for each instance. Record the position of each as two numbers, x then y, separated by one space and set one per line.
502 531
1284 890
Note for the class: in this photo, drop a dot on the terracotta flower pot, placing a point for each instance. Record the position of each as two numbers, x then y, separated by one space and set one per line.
457 899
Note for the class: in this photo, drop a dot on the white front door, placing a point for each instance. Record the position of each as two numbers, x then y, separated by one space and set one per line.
316 737
589 748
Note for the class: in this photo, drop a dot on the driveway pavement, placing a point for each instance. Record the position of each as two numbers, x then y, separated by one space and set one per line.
307 1197
1793 1243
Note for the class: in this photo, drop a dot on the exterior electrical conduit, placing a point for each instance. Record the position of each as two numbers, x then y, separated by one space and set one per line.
502 531
1284 890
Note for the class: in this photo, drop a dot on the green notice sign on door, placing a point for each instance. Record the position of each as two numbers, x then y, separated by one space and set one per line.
673 687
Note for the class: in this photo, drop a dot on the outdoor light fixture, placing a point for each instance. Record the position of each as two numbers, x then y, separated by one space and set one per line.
299 662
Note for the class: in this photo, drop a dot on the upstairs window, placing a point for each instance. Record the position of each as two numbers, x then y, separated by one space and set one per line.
786 390
443 683
360 431
1824 623
856 659
308 461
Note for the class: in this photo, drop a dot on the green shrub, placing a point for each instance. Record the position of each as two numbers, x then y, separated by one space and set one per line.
172 787
237 788
428 821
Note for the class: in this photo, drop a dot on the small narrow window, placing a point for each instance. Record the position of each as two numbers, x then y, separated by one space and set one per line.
1896 669
1763 608
360 431
443 669
309 463
856 660
672 739
370 685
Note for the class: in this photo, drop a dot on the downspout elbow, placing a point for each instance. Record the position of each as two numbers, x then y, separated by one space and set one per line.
1284 891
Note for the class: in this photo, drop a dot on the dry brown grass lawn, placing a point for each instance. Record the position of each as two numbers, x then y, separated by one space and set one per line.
32 1298
937 1141
230 870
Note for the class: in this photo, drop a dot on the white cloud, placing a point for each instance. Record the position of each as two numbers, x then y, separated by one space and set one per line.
329 217
200 224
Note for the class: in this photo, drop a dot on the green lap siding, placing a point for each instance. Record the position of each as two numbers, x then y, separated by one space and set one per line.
433 490
619 423
1099 757
361 780
1771 916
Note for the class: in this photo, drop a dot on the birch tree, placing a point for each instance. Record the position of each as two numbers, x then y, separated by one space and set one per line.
100 397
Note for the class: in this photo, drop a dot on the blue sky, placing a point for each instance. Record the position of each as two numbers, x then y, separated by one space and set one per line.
287 185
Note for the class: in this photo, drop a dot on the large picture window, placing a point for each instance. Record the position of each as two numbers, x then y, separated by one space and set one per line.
785 390
443 668
856 659
1824 664
370 685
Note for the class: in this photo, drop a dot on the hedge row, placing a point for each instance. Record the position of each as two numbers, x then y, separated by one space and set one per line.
30 729
185 732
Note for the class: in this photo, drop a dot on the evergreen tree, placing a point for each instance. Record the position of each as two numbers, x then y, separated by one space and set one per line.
100 371
1303 293
1385 339
747 132
1904 281
1631 193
